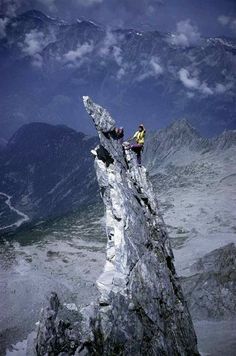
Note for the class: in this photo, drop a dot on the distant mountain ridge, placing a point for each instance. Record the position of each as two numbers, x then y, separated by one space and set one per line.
181 135
141 75
48 171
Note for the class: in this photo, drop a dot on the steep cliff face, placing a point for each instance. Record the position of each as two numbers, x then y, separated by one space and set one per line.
141 309
211 289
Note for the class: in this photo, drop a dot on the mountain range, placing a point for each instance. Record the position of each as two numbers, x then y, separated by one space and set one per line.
194 180
47 171
46 65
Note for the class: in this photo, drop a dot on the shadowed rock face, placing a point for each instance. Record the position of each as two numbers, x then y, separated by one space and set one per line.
141 309
211 290
48 172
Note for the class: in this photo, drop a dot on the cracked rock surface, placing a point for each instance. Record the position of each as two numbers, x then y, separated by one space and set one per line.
211 289
140 309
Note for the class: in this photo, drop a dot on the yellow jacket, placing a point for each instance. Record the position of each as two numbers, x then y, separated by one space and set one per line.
139 137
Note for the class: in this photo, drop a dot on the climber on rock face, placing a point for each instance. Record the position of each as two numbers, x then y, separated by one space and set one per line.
139 137
119 133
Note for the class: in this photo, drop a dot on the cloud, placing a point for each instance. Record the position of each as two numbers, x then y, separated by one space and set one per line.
9 7
33 43
110 47
32 46
224 20
228 21
223 88
205 89
125 70
117 53
186 34
3 24
190 94
37 60
188 81
109 41
152 69
220 88
74 58
192 82
154 63
120 74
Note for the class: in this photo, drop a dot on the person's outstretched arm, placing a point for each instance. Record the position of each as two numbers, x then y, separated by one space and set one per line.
132 137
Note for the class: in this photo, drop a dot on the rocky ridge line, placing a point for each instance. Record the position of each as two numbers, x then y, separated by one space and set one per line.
141 308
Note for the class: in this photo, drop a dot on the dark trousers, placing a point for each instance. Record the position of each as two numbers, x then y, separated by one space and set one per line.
137 148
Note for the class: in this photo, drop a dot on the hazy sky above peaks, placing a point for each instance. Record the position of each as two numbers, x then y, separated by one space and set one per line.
210 17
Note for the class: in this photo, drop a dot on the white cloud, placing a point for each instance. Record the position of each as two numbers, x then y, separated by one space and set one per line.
152 68
188 81
220 88
10 7
154 63
117 55
190 94
75 58
109 41
205 89
223 88
120 74
126 69
192 82
224 20
37 60
33 44
110 47
228 21
3 24
150 10
186 34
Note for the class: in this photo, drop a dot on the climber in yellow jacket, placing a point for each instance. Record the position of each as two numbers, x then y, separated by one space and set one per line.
139 137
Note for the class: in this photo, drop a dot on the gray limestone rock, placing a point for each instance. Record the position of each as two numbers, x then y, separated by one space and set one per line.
211 290
141 309
56 336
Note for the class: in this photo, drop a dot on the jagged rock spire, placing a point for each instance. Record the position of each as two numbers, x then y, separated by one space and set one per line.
141 309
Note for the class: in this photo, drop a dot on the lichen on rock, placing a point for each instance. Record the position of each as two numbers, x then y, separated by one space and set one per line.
141 309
